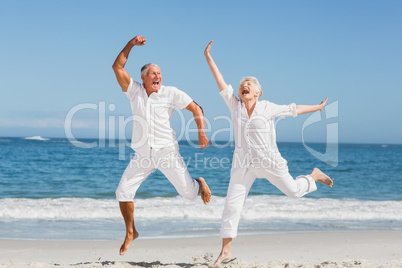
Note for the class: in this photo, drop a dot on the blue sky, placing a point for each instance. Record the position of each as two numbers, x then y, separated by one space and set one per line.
57 55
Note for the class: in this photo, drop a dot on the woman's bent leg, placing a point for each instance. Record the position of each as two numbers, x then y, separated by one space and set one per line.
293 188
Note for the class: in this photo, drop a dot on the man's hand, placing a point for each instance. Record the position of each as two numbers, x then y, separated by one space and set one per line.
199 120
139 40
203 140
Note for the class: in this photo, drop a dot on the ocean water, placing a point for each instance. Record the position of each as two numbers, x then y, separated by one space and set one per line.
55 189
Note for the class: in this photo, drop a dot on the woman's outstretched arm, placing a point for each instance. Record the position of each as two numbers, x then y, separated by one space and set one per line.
214 69
304 109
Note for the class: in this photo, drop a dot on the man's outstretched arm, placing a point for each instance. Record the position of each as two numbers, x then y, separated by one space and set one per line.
118 66
199 120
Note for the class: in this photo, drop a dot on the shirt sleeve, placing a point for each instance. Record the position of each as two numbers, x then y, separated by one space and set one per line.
229 98
180 99
132 89
276 110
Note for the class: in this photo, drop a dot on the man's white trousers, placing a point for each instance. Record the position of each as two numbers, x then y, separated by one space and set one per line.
169 162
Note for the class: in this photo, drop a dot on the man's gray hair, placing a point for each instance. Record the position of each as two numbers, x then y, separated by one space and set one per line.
145 68
253 80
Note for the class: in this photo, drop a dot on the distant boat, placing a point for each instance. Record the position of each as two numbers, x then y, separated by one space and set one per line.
37 138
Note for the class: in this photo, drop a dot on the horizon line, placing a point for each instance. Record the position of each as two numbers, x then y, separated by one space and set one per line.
223 141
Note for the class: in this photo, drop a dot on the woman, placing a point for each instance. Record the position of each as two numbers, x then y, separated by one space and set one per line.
256 154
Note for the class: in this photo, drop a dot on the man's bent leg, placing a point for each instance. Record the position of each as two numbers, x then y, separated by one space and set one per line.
127 210
171 164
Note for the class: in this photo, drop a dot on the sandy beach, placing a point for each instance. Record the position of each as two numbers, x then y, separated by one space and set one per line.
330 249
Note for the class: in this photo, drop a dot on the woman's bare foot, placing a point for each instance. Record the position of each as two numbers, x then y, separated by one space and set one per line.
204 190
318 175
224 256
129 238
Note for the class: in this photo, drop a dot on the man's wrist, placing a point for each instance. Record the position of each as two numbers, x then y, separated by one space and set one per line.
132 42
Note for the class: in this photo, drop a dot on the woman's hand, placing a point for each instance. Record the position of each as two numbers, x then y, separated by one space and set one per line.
304 109
214 69
208 49
322 104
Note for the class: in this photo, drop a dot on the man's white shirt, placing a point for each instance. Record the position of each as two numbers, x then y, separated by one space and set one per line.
152 128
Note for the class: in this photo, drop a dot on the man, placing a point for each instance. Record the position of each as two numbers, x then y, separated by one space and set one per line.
153 138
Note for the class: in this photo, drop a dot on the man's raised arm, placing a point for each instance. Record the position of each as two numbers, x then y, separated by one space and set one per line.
118 66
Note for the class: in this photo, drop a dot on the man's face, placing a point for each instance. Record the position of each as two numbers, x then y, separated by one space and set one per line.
152 80
247 91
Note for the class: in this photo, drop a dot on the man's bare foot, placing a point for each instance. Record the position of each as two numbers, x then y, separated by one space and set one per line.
222 258
318 175
204 190
129 238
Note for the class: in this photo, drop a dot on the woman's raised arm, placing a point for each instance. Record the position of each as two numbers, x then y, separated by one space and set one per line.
214 69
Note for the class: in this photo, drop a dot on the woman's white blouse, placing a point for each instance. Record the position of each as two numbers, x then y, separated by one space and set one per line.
255 137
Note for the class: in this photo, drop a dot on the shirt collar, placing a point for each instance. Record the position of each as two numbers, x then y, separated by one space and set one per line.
145 91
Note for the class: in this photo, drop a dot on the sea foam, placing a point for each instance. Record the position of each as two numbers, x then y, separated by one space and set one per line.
256 208
37 138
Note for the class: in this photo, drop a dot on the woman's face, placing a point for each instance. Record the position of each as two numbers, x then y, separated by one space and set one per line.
247 91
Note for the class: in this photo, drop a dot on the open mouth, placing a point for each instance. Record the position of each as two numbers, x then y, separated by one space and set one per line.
245 92
155 83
